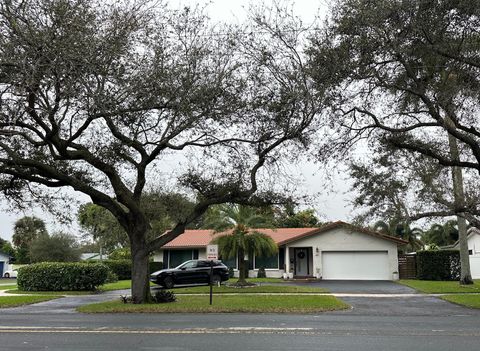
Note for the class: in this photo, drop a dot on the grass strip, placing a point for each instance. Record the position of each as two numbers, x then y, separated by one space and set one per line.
469 300
441 287
127 284
14 301
226 304
55 293
248 290
8 287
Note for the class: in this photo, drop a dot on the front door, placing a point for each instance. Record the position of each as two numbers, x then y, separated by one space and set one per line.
301 262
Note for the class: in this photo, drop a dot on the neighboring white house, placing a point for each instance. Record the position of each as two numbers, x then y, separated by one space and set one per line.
4 259
335 251
473 251
93 256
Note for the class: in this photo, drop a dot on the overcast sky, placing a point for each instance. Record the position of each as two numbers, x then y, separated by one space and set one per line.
332 196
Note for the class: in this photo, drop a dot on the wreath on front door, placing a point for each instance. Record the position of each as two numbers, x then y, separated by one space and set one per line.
301 255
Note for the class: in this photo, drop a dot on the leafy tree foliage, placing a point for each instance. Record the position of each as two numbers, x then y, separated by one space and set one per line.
58 247
7 248
442 234
406 73
98 97
404 231
163 211
25 231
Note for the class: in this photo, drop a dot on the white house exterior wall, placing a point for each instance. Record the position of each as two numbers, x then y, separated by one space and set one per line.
342 239
337 239
4 259
474 245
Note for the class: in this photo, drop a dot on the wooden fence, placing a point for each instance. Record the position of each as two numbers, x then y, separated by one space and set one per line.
407 266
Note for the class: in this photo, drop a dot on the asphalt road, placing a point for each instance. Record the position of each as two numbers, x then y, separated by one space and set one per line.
387 323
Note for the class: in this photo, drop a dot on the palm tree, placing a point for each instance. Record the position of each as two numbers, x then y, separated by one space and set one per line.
241 239
401 230
442 235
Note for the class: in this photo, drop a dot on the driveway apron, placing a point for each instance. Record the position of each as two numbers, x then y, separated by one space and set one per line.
366 303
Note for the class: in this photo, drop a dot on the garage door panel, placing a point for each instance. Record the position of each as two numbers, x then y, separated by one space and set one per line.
475 266
355 265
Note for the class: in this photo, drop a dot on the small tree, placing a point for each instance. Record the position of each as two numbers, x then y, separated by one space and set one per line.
59 247
25 231
241 239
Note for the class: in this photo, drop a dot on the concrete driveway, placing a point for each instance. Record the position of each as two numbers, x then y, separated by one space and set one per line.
387 298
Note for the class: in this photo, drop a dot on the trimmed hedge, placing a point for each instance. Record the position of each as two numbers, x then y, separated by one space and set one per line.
60 276
122 268
438 265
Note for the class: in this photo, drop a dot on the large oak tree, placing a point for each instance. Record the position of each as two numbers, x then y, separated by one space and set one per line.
101 99
409 77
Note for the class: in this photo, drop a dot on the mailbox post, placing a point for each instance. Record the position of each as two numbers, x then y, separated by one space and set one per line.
212 254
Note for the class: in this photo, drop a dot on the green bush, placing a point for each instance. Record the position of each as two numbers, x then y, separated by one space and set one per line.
261 273
56 276
122 268
231 272
438 265
120 254
154 266
111 277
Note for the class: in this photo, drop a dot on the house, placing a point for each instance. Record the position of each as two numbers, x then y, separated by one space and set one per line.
93 256
473 239
335 251
4 259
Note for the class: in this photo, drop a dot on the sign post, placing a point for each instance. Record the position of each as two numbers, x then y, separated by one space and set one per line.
212 254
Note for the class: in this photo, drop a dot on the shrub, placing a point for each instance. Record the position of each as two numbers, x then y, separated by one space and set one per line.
163 296
122 268
261 273
120 254
438 265
111 277
155 266
56 276
231 272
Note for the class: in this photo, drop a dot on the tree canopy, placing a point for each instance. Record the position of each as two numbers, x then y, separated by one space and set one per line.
100 97
58 247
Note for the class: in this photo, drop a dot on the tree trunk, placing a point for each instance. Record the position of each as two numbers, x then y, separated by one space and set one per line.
241 268
459 200
140 276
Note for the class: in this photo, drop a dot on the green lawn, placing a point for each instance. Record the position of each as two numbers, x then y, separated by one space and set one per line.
55 293
126 284
226 304
8 287
441 287
248 290
13 301
470 300
120 285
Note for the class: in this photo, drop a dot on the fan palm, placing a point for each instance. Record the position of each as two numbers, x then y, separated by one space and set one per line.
241 239
401 230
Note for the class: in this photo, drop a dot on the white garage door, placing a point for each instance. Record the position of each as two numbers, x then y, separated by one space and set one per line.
475 266
356 265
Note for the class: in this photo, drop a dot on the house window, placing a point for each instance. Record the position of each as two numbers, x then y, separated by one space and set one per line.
230 263
470 252
270 262
177 257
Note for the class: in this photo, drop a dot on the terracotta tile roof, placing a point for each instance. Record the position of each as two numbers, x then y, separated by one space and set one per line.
281 236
